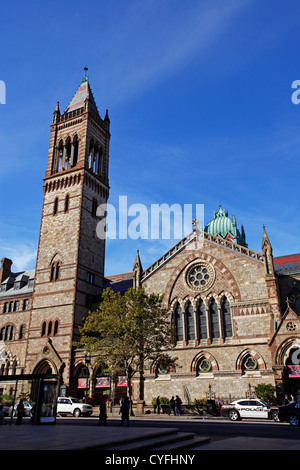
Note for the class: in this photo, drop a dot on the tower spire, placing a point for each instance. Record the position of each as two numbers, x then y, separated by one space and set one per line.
85 73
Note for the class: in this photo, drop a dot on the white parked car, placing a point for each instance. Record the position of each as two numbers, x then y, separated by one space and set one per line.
27 406
73 406
249 408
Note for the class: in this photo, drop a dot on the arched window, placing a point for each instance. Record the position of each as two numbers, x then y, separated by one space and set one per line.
76 150
55 331
22 332
214 319
100 162
67 200
59 155
91 155
57 274
249 364
203 366
226 318
190 323
68 152
55 271
55 206
8 333
94 207
49 328
202 327
44 328
178 323
2 333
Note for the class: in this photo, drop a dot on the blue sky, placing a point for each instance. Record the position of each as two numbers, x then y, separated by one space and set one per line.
199 97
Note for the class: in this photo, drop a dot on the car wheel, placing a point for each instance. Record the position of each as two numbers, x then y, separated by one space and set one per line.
76 412
274 416
294 420
234 415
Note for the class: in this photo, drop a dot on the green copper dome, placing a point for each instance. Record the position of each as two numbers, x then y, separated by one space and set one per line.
224 227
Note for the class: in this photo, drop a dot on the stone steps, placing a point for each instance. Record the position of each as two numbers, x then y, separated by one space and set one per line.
168 440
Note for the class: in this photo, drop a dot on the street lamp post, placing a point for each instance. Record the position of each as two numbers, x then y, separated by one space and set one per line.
87 361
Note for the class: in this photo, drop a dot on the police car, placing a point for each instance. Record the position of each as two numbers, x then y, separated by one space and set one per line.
249 408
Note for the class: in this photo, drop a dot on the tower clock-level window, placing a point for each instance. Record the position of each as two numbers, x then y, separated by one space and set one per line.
94 206
67 201
55 206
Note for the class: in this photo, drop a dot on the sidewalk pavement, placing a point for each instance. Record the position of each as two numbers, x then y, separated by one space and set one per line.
69 436
88 436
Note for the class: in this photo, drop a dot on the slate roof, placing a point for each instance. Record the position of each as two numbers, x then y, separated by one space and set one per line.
9 284
286 265
83 92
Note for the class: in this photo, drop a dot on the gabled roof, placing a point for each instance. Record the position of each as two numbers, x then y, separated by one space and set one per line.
289 313
82 94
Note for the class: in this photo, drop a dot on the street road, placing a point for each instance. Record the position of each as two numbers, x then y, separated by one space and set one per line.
217 428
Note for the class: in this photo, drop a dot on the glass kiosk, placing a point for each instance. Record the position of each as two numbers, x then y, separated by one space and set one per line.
43 390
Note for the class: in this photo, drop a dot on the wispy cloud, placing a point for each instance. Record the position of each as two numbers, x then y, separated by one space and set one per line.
22 254
154 40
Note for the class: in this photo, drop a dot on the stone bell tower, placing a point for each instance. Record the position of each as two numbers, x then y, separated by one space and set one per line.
70 260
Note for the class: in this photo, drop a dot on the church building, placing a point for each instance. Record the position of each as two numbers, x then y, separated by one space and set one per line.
236 310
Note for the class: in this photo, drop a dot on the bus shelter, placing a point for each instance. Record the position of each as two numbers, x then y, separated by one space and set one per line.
42 390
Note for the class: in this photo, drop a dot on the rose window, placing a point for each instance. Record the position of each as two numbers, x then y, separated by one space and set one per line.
291 326
200 276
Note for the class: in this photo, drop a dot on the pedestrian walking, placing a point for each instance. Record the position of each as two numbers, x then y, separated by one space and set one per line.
124 411
172 406
178 403
286 400
2 418
102 414
20 412
157 405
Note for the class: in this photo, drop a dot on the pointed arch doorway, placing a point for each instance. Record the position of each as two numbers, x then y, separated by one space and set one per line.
45 367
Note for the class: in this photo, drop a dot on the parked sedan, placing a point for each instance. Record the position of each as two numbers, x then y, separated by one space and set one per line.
249 408
290 413
27 407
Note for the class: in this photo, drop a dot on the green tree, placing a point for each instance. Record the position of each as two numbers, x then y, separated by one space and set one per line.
127 331
266 392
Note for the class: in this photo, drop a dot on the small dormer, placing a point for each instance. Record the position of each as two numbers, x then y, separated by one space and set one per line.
7 284
21 281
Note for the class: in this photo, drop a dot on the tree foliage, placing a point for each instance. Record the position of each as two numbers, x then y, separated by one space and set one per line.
126 331
266 392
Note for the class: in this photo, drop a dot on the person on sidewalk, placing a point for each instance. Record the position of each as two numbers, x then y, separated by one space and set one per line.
20 412
2 418
102 414
178 403
172 406
124 411
157 405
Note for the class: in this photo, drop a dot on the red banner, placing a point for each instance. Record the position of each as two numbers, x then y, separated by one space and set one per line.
294 371
83 383
102 382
